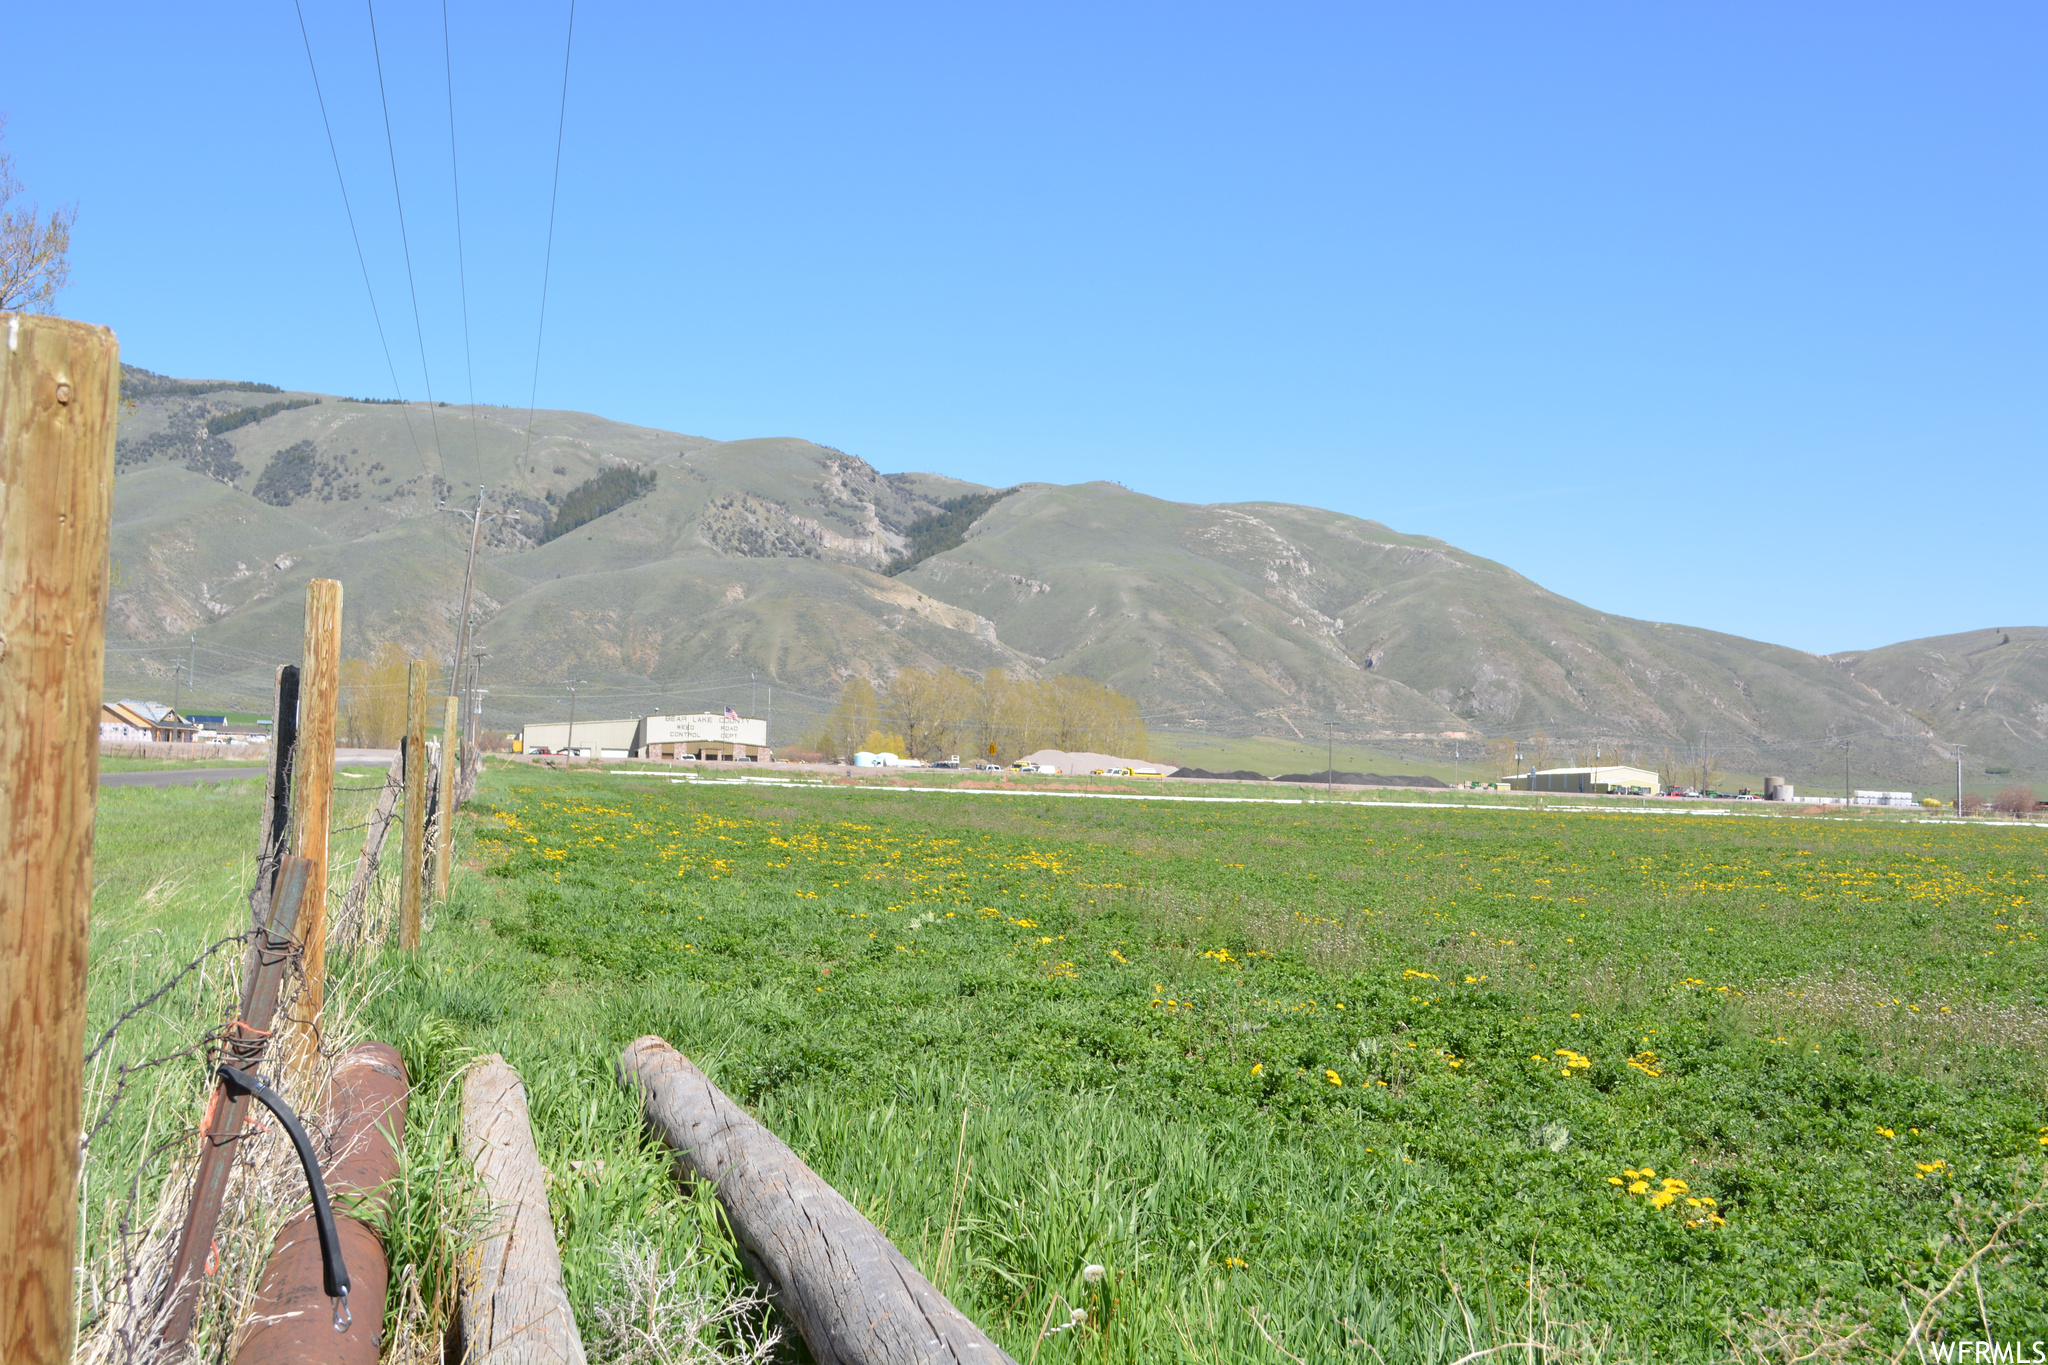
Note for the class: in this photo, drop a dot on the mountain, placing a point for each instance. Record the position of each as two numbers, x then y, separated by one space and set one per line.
763 558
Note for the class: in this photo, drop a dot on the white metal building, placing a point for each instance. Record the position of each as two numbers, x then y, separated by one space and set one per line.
1609 779
605 738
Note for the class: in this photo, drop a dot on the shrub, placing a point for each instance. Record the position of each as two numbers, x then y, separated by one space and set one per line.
2018 802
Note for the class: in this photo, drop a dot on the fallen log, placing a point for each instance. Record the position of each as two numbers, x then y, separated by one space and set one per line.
293 1321
854 1298
515 1310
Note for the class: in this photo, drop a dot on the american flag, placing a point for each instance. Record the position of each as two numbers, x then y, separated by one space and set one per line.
731 714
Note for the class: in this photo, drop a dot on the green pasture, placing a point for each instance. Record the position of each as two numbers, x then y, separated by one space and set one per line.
1300 1078
1325 1074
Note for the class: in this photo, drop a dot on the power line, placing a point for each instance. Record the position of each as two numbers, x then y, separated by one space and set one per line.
404 409
403 239
548 260
461 269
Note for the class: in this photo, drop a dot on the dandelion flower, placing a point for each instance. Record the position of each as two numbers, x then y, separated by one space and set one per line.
1092 1274
1639 1187
1333 1078
1258 1068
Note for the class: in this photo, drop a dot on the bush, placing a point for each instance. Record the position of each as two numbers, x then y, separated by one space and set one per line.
2018 802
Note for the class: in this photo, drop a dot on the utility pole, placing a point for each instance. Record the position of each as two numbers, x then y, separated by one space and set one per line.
191 666
58 399
569 756
1848 797
1330 759
1959 777
476 526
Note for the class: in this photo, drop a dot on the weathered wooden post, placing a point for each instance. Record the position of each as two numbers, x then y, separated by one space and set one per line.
413 846
444 806
853 1296
58 399
515 1310
319 691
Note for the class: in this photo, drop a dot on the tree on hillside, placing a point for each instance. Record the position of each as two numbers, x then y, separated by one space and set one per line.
35 252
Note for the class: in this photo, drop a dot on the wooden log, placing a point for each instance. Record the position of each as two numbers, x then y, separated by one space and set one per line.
412 847
319 692
444 806
854 1298
58 398
515 1310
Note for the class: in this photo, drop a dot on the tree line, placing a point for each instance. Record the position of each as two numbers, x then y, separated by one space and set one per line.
943 530
241 417
595 496
934 714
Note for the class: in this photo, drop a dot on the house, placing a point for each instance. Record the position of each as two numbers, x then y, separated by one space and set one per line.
1610 780
143 722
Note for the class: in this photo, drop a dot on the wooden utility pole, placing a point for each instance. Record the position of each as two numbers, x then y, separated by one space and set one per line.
444 806
319 691
59 395
413 847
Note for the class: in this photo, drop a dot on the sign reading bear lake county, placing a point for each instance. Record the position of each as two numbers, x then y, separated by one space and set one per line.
707 726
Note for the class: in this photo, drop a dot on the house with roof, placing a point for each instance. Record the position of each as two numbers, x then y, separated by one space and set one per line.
144 722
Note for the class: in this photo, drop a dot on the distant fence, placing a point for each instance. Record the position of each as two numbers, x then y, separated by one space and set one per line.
151 749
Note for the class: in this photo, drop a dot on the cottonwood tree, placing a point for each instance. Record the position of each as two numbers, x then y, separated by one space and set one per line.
35 252
847 725
373 698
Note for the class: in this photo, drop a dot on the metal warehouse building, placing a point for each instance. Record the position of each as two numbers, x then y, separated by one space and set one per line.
1608 780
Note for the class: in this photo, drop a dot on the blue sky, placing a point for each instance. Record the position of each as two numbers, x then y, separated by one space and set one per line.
1730 315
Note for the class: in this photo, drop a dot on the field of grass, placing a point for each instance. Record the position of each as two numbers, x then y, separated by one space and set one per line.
111 764
1324 1073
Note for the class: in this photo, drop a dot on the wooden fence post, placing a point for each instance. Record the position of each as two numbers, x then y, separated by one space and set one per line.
413 847
319 691
444 819
59 394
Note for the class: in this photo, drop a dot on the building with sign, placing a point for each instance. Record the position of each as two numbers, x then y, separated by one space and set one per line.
710 736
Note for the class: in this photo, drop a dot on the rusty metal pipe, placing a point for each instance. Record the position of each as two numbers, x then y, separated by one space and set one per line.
292 1320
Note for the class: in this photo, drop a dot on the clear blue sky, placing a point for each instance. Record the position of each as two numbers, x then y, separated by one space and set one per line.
1726 314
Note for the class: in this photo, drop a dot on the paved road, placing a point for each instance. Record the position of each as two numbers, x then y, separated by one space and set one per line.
185 777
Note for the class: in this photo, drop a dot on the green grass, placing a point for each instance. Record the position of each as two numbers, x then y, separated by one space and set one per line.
1143 1010
171 868
110 764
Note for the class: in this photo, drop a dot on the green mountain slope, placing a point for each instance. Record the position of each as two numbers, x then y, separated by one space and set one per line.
764 559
